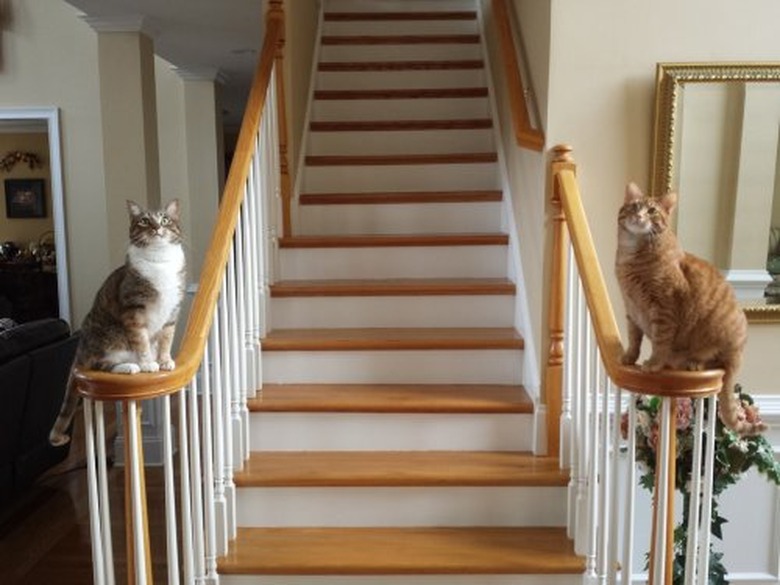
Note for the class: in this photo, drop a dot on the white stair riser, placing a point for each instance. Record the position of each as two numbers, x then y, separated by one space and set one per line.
401 142
402 580
496 366
419 218
420 177
399 27
411 52
401 506
414 79
397 262
400 109
425 311
398 5
303 431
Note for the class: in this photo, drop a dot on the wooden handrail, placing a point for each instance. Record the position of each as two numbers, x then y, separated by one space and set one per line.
527 136
632 378
108 386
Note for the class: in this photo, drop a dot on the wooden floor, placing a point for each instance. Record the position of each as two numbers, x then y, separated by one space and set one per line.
44 532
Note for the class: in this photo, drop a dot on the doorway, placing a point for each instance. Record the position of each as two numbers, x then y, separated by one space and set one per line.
32 227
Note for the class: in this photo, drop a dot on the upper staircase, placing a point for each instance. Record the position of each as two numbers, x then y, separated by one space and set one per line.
392 440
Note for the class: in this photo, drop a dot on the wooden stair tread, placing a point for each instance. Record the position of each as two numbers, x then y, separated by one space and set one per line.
401 159
392 240
423 39
401 551
416 65
430 15
393 287
400 469
393 398
388 94
397 125
386 338
393 197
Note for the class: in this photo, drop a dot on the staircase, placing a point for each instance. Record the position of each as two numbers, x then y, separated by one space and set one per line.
392 440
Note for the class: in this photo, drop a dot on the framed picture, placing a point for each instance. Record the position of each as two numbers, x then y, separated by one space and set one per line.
24 198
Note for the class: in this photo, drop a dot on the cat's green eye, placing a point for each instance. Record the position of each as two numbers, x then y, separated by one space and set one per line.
143 222
165 221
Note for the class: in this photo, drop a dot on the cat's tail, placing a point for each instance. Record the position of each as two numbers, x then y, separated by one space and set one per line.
732 413
58 435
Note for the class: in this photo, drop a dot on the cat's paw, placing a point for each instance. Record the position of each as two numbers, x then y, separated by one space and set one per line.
126 368
167 365
149 367
652 365
694 366
57 439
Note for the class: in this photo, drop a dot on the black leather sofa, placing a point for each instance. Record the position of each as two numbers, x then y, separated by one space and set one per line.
35 360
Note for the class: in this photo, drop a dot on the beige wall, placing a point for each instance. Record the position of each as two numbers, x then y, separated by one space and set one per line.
601 96
49 58
18 230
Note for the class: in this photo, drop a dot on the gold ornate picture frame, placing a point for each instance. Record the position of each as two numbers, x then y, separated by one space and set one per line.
671 81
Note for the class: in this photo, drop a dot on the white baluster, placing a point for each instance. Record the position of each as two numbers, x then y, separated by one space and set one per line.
630 497
235 381
210 538
706 516
614 491
137 501
172 547
694 517
96 527
186 492
105 506
195 482
220 501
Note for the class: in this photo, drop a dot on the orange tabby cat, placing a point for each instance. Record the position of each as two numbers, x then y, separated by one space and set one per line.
680 302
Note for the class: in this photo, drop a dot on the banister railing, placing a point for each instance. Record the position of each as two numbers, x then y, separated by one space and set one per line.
585 365
526 134
218 366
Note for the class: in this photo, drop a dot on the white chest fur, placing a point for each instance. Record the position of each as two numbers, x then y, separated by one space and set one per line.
162 264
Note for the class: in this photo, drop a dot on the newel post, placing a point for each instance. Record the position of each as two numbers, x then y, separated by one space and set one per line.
276 12
561 160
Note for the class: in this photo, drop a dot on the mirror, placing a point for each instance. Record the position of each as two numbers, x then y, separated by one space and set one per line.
34 219
717 143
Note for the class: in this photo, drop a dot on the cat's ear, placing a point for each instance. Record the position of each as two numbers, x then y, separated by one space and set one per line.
668 201
133 209
633 193
172 209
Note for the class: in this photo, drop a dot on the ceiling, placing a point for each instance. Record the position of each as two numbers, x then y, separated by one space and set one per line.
208 38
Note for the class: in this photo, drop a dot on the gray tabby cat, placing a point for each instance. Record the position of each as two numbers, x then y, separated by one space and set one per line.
130 327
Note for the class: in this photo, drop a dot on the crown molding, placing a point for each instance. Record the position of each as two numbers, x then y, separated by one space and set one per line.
111 23
196 73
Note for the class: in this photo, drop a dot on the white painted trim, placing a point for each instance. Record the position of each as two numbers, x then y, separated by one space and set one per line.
121 23
52 119
748 284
